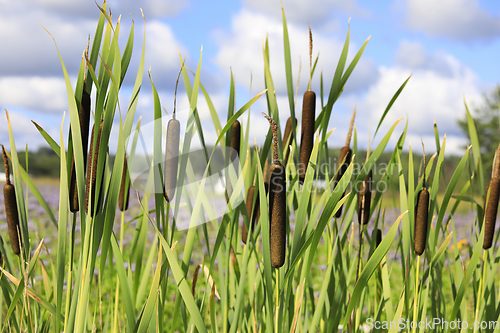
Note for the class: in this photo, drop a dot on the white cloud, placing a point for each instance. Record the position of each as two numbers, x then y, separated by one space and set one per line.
25 132
241 49
431 94
456 19
27 48
317 11
87 9
162 54
35 93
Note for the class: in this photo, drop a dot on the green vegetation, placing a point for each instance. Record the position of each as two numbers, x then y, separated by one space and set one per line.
136 271
487 123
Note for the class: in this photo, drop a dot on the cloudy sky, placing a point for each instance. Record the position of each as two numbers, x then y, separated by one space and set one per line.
450 48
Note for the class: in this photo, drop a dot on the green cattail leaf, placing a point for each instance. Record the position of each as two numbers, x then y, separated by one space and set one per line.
449 190
213 112
125 287
237 115
301 213
18 185
55 147
289 78
149 307
464 282
476 149
183 286
370 267
393 99
62 230
127 53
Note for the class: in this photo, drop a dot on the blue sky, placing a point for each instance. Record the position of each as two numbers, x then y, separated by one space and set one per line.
450 48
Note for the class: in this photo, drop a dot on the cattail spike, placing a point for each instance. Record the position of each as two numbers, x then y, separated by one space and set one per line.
92 173
496 164
310 55
12 215
378 234
351 126
364 203
307 135
274 129
124 195
195 279
6 165
171 158
11 207
277 205
490 211
421 217
423 151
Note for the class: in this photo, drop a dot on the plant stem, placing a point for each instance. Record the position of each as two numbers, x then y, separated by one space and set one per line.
481 288
415 301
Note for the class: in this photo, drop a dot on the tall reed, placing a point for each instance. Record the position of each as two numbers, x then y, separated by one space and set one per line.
277 203
344 159
11 212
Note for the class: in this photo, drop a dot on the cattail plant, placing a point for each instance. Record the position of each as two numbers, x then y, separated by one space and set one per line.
235 140
172 158
277 203
421 215
172 150
288 138
378 235
234 153
345 157
308 119
124 195
92 173
11 207
84 117
365 198
491 207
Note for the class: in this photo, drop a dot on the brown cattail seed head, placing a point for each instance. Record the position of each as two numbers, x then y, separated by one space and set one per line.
287 139
11 207
234 153
365 197
378 234
277 213
344 161
277 204
84 117
92 173
12 217
421 217
195 279
235 140
124 188
490 211
172 158
307 135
